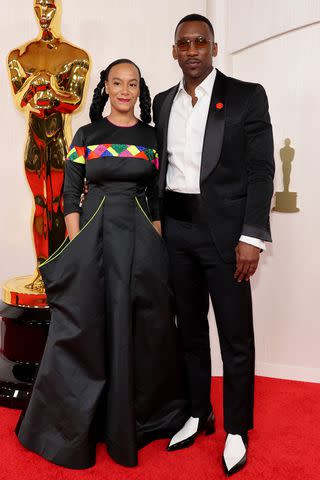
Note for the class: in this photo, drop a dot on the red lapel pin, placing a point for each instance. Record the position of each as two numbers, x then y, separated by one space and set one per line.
219 105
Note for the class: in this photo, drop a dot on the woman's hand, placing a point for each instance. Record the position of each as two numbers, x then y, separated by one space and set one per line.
73 224
157 226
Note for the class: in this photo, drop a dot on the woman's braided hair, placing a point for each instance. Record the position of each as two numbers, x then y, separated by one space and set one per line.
100 97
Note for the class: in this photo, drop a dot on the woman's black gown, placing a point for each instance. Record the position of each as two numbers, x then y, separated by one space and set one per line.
111 370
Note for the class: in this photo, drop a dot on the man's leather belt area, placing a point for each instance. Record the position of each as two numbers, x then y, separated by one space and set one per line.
186 207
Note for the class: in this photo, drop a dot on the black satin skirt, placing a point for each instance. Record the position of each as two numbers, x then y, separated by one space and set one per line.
111 369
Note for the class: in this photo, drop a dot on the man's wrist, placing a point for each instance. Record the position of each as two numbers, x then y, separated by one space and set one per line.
256 242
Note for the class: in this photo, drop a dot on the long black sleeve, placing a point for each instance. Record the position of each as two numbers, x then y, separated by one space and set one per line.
152 193
260 166
75 171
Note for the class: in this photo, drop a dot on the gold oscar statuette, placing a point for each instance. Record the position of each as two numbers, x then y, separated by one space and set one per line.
48 78
286 201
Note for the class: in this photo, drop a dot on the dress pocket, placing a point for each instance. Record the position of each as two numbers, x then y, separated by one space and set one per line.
67 242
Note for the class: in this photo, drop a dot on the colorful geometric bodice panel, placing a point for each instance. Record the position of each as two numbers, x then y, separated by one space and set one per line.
82 154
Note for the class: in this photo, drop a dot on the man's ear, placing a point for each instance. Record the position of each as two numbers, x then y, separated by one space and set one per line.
174 52
214 49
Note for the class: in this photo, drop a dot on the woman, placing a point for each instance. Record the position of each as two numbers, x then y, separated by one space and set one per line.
110 370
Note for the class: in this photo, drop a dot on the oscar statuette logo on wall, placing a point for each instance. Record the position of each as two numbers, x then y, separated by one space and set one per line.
286 201
48 77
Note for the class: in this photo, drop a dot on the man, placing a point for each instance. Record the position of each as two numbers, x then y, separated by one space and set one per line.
215 184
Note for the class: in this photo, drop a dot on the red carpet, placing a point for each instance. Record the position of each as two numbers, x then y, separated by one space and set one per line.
284 445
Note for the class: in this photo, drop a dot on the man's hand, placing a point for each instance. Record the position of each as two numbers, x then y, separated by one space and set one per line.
247 257
84 193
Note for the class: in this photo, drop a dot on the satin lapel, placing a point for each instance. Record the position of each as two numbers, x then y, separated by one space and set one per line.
213 137
163 131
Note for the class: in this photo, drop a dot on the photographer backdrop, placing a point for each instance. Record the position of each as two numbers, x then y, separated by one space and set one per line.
275 43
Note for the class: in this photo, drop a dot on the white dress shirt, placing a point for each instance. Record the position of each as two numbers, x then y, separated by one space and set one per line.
186 131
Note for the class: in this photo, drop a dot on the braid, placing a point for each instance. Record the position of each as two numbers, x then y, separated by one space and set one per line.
145 102
99 99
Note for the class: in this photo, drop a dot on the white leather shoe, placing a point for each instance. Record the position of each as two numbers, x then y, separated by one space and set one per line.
235 454
186 436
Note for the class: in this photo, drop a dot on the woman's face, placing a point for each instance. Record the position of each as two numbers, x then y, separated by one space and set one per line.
122 86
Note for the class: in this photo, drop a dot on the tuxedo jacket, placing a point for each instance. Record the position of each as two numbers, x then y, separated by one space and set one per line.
237 164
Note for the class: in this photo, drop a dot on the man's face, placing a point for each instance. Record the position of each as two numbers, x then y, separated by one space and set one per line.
194 48
45 11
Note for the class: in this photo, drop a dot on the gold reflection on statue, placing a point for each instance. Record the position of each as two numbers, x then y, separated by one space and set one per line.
48 77
286 201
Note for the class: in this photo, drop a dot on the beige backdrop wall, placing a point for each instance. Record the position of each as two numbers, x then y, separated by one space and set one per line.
275 43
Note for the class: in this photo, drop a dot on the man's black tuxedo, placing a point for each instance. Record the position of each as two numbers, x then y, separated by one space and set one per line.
237 167
236 185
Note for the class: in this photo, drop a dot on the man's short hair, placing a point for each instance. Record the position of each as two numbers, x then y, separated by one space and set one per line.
195 17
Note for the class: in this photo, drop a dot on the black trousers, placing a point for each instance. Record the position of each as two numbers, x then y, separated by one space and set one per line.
198 270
